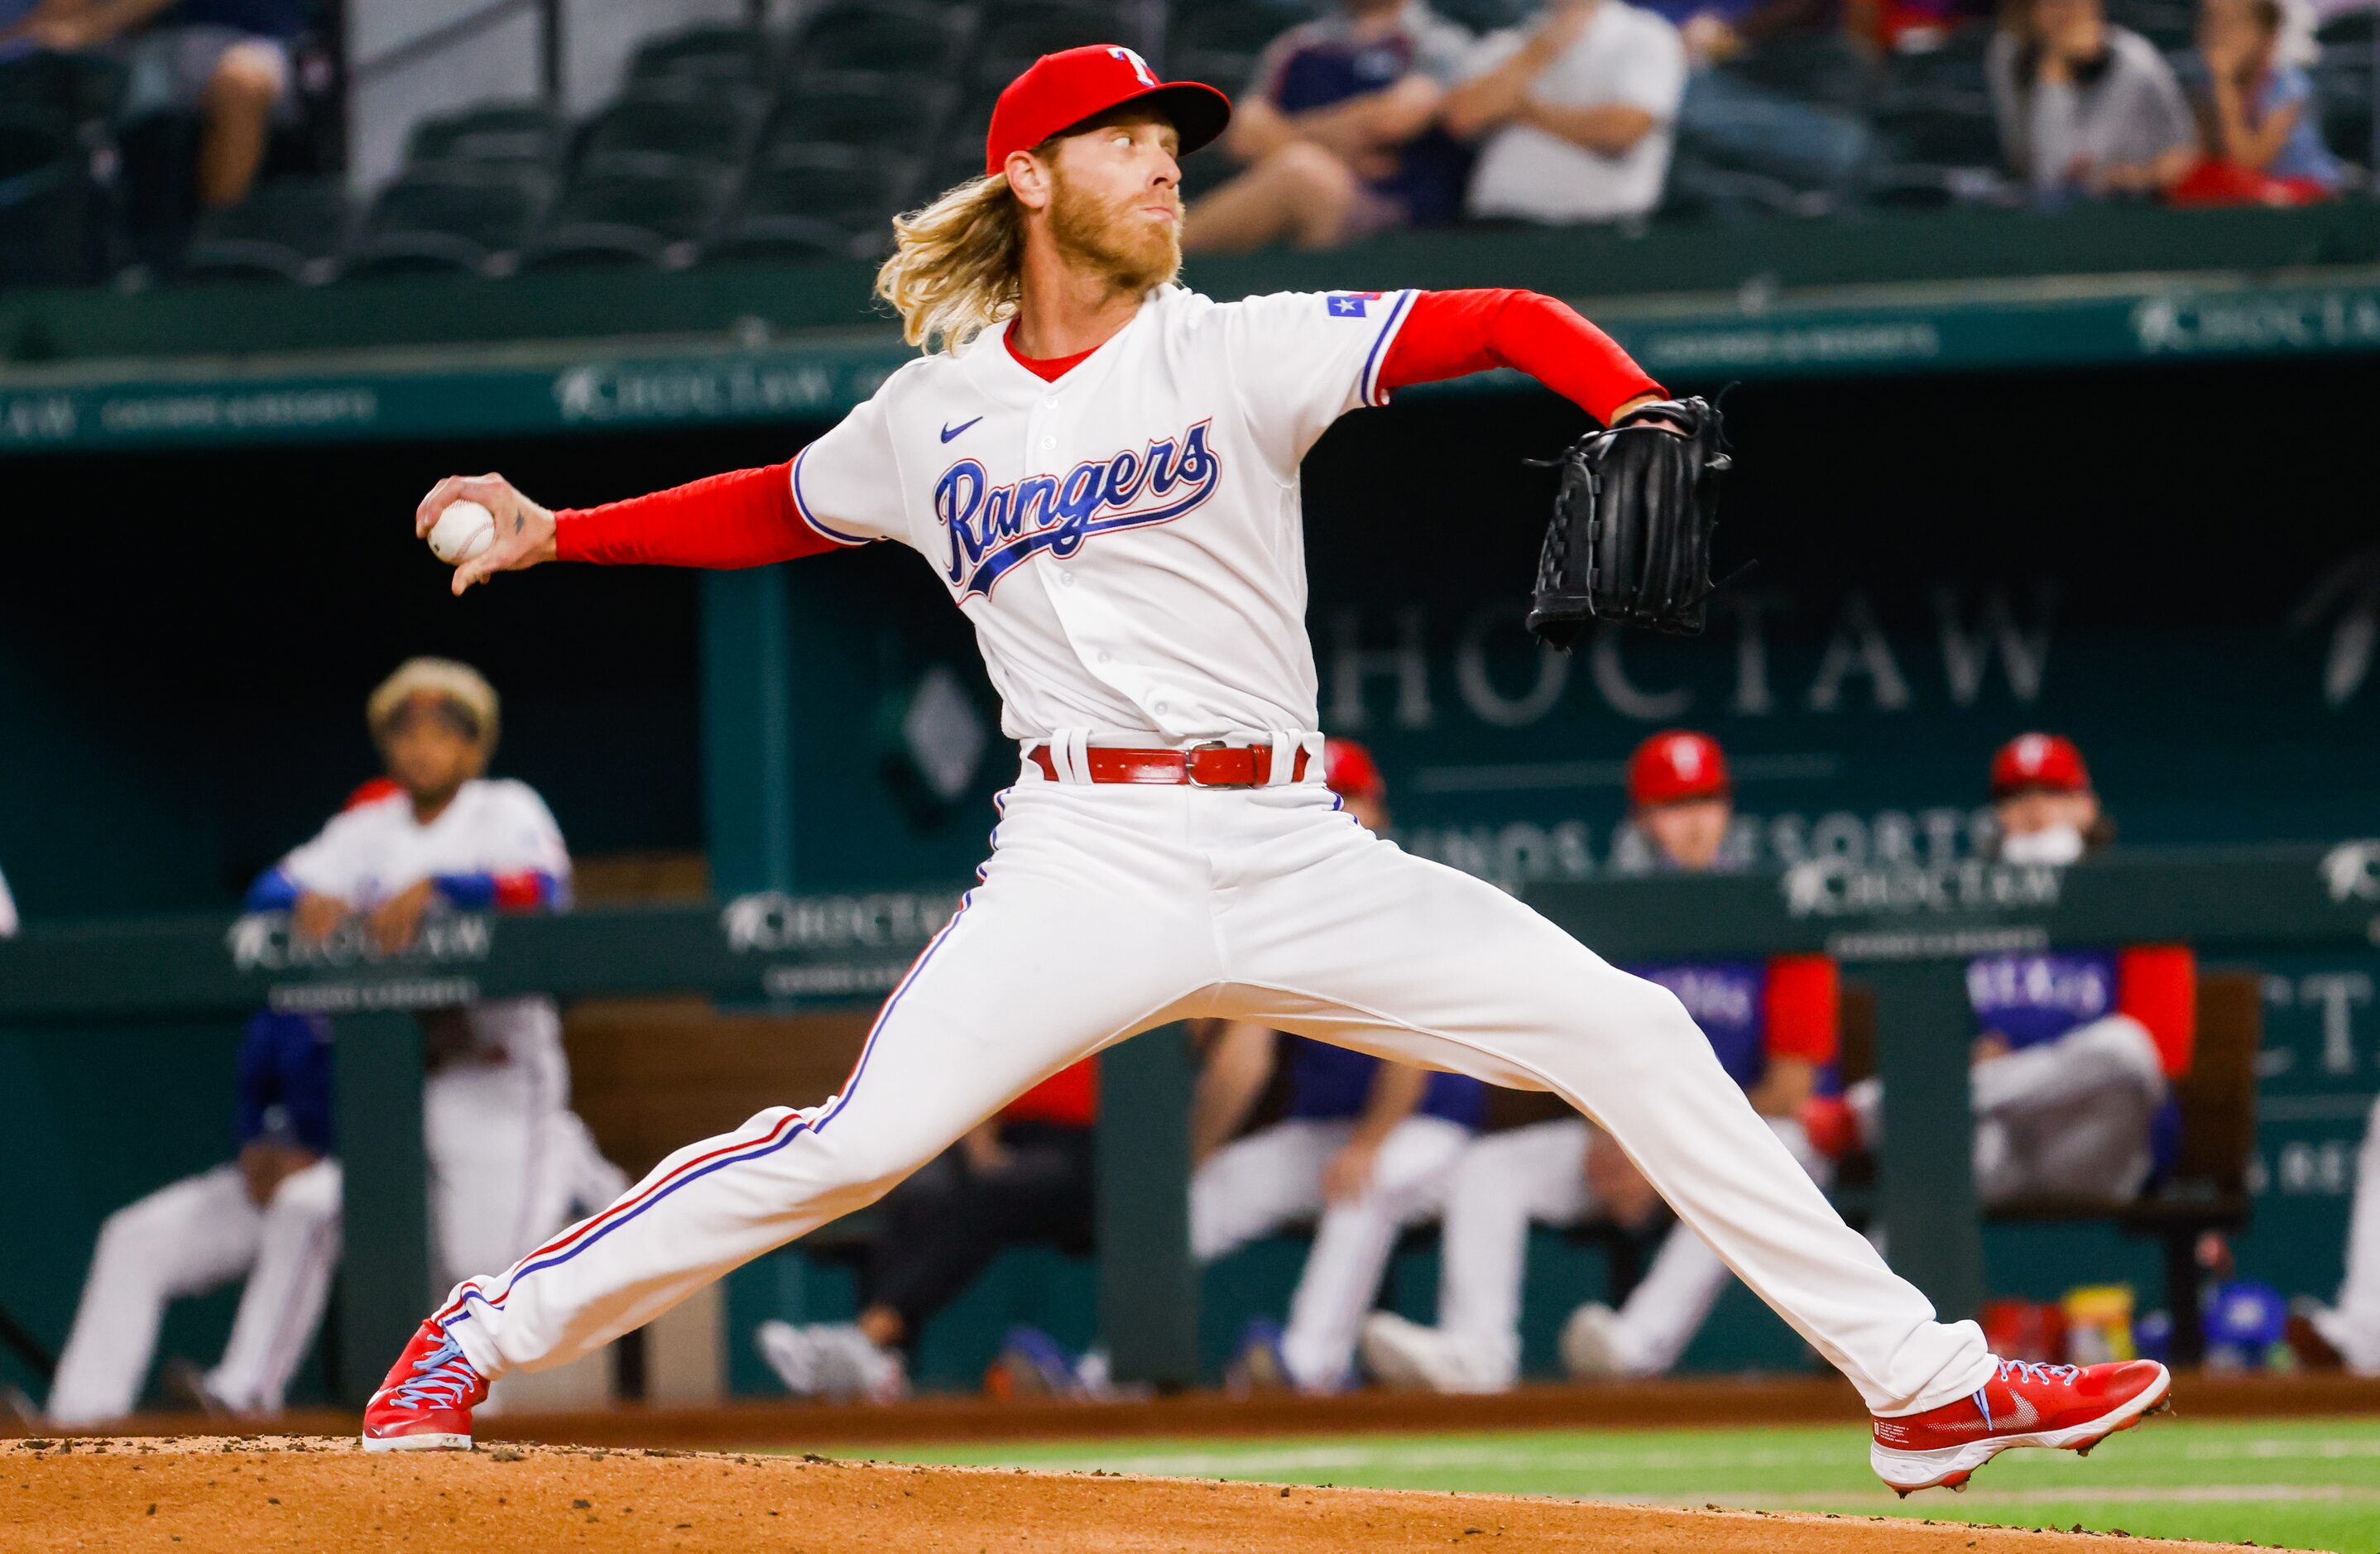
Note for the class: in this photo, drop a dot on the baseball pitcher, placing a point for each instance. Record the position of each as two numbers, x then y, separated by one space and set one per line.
1101 466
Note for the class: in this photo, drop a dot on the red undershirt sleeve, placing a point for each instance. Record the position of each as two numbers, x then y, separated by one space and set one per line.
1454 333
2158 985
745 518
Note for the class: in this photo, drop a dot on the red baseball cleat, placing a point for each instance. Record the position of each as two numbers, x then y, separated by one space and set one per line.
2067 1407
425 1403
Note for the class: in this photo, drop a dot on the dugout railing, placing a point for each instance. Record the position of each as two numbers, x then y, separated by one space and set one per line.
1903 929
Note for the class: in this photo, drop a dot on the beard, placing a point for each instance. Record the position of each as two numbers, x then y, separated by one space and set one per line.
1113 239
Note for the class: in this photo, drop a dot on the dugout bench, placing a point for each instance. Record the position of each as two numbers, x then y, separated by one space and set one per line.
1904 930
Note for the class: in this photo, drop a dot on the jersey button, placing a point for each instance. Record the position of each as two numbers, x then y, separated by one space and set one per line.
1106 657
1066 579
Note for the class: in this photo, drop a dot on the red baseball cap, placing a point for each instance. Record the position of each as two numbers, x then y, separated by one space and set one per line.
2039 761
1349 771
1062 90
1676 765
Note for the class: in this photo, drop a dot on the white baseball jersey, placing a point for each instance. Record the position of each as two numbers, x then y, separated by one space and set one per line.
378 850
1127 539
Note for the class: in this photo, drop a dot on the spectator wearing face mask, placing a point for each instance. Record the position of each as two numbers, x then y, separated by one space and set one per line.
2075 1048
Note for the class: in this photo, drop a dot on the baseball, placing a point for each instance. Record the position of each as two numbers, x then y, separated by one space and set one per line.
462 531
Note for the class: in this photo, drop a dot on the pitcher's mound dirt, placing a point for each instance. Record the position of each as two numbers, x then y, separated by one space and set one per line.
262 1495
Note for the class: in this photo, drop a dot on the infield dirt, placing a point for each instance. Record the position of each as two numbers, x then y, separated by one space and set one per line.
196 1495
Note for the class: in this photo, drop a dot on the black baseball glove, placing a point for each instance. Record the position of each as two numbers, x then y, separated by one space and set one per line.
1630 537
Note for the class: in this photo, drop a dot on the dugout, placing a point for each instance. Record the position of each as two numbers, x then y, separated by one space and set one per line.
1978 507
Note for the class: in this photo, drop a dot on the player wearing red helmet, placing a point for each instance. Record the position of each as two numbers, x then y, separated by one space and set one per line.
1774 1025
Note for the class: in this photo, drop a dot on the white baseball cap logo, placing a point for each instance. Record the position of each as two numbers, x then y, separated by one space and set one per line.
1685 759
1139 65
2032 751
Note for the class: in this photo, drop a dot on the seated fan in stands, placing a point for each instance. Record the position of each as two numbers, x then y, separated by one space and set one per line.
1339 134
230 61
2259 131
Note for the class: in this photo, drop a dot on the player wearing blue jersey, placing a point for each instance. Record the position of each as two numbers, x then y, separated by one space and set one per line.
2075 1047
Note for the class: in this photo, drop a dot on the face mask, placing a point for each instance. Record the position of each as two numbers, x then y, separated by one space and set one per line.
2056 844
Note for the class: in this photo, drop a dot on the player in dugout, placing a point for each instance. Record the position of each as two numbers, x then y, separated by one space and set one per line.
1364 1151
1775 1025
1102 467
432 835
2075 1048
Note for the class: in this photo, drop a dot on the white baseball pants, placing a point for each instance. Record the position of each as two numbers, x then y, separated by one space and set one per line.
1105 910
2069 1118
1273 1177
2352 1327
1507 1179
184 1239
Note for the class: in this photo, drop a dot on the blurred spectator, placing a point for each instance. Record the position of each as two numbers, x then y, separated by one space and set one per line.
1023 1175
7 910
2347 1334
2259 139
1366 1147
272 1215
2074 1048
1774 1025
1340 133
1908 26
230 61
1574 116
2084 106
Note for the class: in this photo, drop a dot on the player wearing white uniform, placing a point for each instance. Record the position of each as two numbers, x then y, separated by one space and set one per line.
1106 483
506 1161
2347 1332
495 1108
1774 1025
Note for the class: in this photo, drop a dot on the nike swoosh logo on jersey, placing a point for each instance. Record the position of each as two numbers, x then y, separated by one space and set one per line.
950 432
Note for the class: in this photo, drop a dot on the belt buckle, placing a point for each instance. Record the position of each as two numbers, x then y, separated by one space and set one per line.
1190 764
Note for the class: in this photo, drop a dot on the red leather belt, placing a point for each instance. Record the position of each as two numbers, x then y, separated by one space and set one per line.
1201 766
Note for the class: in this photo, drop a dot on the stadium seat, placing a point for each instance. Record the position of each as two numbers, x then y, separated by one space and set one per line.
2169 24
1819 66
449 219
645 210
43 199
1487 16
516 134
1016 33
77 88
1218 41
700 126
853 189
1701 190
710 55
1952 127
914 36
899 113
765 238
287 231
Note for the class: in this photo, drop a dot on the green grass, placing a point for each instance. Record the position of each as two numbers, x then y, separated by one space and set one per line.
2301 1484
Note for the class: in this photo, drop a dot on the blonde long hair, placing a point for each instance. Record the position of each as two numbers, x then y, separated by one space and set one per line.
957 266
